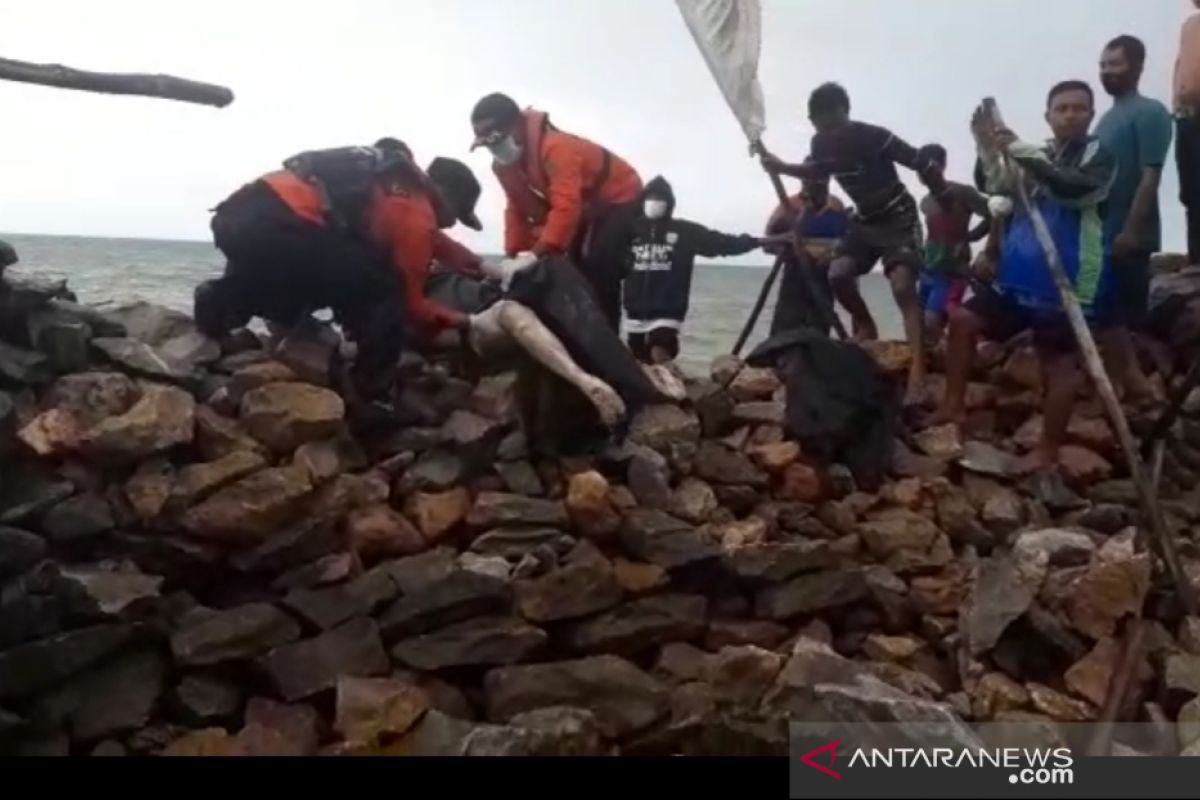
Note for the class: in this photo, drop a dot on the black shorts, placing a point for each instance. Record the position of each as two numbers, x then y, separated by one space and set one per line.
1005 318
640 344
1130 289
896 239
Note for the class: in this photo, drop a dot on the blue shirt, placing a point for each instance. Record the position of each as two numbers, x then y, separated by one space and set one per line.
1137 131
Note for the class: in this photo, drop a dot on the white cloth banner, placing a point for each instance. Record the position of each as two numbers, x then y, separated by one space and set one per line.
729 34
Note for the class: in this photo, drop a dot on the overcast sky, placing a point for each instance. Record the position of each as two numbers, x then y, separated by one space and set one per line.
623 72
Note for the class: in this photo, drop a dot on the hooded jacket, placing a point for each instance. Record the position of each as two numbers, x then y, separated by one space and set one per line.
663 254
558 183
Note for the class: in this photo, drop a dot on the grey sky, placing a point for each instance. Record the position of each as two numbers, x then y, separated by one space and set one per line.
623 72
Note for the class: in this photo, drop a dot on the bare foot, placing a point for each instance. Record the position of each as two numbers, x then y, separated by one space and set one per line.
608 403
945 416
1034 462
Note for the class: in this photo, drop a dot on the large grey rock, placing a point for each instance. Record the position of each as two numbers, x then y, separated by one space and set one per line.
514 543
251 509
19 550
719 464
210 637
62 338
140 358
460 595
149 322
570 592
328 607
162 418
284 416
558 731
649 478
811 593
659 538
80 517
495 509
774 562
633 627
488 641
91 397
26 493
305 668
1004 590
29 668
108 588
116 697
202 698
20 367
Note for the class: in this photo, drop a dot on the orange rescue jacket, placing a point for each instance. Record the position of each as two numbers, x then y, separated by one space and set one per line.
561 181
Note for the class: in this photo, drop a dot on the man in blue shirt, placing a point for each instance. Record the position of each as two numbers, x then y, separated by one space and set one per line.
1137 131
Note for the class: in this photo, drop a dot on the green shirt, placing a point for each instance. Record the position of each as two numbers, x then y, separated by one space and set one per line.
1138 132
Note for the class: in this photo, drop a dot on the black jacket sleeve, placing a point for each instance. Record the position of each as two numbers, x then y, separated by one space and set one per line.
904 154
702 241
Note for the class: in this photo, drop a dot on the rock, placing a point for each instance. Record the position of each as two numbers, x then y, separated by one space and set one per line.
378 531
810 593
328 458
724 633
1188 724
494 509
277 730
149 489
107 589
754 383
218 436
1082 465
741 533
649 478
725 368
29 668
942 593
80 517
371 708
1189 629
195 482
897 530
558 731
1058 706
253 376
693 501
284 416
801 483
521 478
495 566
204 698
466 430
488 641
91 397
139 358
1089 677
1004 590
1003 513
986 459
305 668
891 356
771 412
204 742
1106 518
775 458
943 442
329 607
27 493
189 350
322 571
148 322
348 492
995 693
515 543
907 464
210 637
1050 489
1023 370
20 367
742 674
251 509
623 698
573 591
667 429
1062 548
588 505
415 573
637 578
1114 585
1183 673
957 517
19 550
661 539
162 418
638 625
437 515
115 697
775 562
897 649
719 464
458 595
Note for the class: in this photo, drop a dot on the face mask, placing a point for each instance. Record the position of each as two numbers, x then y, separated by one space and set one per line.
506 151
655 209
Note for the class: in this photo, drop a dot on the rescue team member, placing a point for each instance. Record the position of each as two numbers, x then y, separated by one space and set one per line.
659 286
566 195
353 229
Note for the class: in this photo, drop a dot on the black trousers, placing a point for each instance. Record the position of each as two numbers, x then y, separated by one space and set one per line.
281 267
1187 158
601 251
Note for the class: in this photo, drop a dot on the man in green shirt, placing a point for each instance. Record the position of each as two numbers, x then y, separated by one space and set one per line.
1137 130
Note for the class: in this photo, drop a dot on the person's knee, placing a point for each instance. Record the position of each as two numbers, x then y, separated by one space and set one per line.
904 283
965 322
217 309
843 273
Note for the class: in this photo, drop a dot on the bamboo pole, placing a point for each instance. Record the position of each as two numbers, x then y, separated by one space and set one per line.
166 87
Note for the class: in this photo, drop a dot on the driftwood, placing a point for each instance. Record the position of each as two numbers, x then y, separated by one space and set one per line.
166 87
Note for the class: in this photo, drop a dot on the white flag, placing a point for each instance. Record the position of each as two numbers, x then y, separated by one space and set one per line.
729 34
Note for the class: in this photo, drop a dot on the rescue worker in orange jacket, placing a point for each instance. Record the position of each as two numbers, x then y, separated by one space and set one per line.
352 229
566 195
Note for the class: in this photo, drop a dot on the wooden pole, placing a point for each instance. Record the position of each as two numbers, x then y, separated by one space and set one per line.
166 87
763 294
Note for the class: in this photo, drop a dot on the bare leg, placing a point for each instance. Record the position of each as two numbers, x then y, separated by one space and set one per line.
843 277
1124 367
935 323
523 326
904 289
1060 373
965 328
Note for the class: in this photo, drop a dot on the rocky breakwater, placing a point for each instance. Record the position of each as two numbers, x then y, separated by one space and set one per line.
197 557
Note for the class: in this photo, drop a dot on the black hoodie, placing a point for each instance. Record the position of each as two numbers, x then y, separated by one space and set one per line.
663 254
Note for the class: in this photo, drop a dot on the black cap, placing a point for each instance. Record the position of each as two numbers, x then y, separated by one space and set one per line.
500 110
390 144
460 187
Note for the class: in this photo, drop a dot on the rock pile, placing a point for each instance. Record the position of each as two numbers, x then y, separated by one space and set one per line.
197 557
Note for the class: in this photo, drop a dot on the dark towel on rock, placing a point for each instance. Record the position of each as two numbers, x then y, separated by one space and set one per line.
840 405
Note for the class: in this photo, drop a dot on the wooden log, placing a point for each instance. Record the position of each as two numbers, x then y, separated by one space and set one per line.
166 87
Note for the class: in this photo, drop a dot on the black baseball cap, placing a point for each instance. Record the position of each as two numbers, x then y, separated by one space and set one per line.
458 184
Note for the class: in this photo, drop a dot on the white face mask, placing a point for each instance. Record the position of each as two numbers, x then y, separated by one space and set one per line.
506 151
655 209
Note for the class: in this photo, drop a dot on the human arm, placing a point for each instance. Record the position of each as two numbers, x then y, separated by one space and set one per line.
518 236
410 239
901 152
978 204
456 256
1084 181
808 169
564 194
1154 133
712 244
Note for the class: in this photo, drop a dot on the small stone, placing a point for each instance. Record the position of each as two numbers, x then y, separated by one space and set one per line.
521 478
329 607
1082 466
1004 590
1058 706
723 633
378 531
754 383
942 442
770 412
741 533
1183 673
204 698
995 693
459 595
641 624
517 542
623 698
305 668
115 697
638 578
107 589
573 591
588 506
82 516
1063 548
1090 676
1189 631
371 708
907 464
494 566
162 418
466 429
649 478
1106 518
719 464
218 436
139 358
328 458
309 351
801 483
1003 513
1114 585
210 637
986 459
693 501
494 509
414 574
810 593
195 482
775 562
284 416
897 649
775 458
942 593
251 509
488 641
661 539
437 515
663 427
725 368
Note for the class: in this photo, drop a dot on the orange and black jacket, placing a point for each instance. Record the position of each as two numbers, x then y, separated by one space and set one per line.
402 223
558 185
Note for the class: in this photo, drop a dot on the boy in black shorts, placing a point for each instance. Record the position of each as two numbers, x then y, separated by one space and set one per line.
887 225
